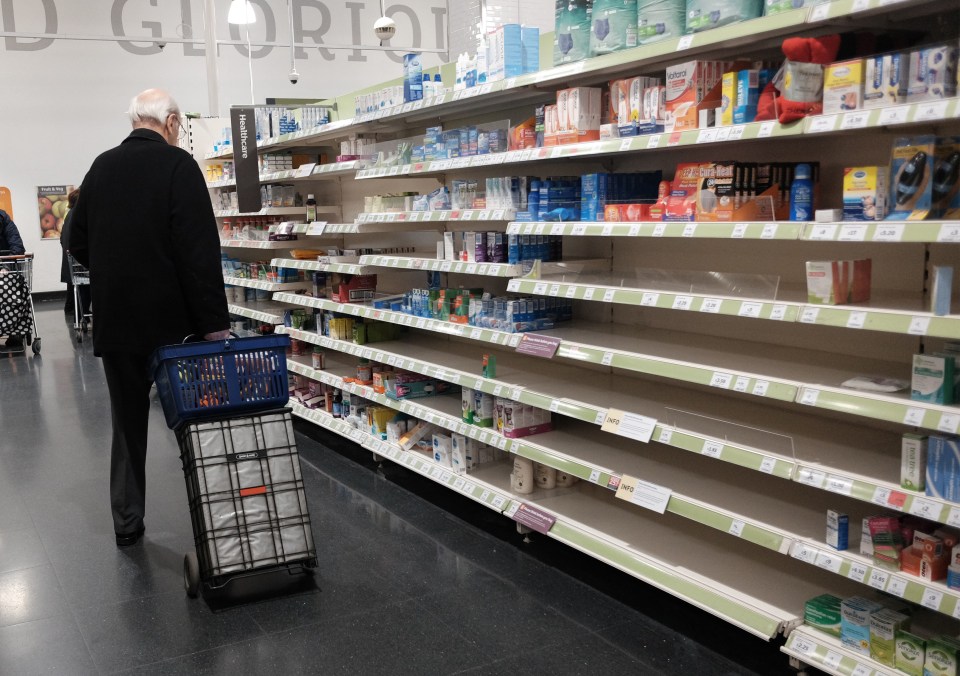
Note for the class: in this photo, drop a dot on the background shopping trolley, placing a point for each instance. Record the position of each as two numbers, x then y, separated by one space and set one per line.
248 507
80 278
17 316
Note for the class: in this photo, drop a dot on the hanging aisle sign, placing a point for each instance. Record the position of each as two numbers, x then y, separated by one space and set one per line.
246 166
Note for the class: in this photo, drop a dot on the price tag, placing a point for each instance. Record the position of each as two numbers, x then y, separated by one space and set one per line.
853 233
685 42
953 519
766 129
594 476
914 416
752 310
822 123
767 465
659 229
540 289
571 292
949 232
858 571
736 132
711 305
809 315
743 382
665 436
804 552
499 501
682 302
800 644
721 380
820 12
931 111
839 484
739 231
608 295
931 598
925 508
825 232
854 120
810 396
878 579
769 231
888 232
811 477
625 144
554 290
760 388
736 528
650 299
712 448
690 229
860 5
707 135
829 561
778 312
897 586
894 115
588 293
881 496
554 405
633 231
832 660
949 422
919 326
607 358
856 320
653 141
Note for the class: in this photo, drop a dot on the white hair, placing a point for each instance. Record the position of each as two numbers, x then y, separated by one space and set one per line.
152 107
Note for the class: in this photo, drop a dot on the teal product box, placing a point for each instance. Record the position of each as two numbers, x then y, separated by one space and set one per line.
943 468
823 613
530 46
855 615
660 20
706 14
778 6
613 26
911 178
748 93
932 379
571 35
412 77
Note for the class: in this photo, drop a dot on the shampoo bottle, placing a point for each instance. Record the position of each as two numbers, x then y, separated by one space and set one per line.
801 194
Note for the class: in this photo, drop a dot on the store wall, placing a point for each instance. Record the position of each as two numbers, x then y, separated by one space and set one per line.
64 101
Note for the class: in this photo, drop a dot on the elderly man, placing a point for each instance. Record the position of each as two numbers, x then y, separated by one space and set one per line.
144 226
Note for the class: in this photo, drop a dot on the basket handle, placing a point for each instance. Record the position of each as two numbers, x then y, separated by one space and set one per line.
194 338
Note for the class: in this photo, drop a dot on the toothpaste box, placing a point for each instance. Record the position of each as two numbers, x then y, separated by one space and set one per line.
855 615
943 468
838 530
932 379
843 86
884 626
911 653
932 74
885 80
865 193
823 613
913 461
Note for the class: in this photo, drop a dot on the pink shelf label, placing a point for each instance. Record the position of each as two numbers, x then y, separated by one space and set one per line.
534 519
538 345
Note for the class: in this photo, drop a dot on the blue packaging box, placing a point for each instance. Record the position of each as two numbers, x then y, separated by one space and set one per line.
748 94
943 468
530 43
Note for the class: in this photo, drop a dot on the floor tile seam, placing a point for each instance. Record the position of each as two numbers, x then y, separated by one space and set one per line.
340 616
114 604
180 657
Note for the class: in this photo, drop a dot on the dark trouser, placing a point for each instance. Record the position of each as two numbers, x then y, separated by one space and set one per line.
129 387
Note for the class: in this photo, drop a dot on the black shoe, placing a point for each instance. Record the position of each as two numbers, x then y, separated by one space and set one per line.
129 539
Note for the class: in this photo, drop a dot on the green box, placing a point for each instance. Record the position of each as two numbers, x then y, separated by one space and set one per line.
823 613
911 653
884 626
942 655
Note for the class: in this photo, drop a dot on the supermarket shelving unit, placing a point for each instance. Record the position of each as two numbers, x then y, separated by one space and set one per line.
710 432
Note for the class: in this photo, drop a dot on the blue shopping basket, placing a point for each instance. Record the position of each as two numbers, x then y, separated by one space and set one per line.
224 377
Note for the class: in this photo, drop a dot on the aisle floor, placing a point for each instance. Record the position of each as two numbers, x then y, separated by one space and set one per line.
404 586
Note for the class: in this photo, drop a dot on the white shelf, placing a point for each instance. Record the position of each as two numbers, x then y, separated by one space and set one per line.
272 211
270 313
443 216
343 268
251 244
263 285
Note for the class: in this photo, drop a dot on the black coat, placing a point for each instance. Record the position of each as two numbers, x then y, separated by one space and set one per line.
145 228
9 235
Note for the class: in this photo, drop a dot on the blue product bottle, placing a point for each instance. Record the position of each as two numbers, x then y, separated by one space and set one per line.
801 194
533 200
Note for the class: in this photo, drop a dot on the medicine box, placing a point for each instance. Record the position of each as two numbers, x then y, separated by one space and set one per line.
748 93
865 193
883 634
932 74
885 80
866 540
911 653
942 656
823 613
913 462
578 113
686 86
932 379
728 99
838 530
943 468
843 86
855 615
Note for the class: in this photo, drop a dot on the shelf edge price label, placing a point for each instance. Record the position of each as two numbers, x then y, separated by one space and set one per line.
712 448
804 552
811 477
931 111
739 231
919 326
926 509
665 436
809 396
839 484
800 644
855 119
828 561
822 123
711 305
682 302
826 232
751 310
858 571
736 528
949 422
767 465
932 598
953 519
897 586
629 425
809 315
888 233
649 299
856 320
721 380
949 232
853 233
878 579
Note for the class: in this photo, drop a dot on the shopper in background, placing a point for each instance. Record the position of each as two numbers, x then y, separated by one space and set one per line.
84 289
144 227
10 242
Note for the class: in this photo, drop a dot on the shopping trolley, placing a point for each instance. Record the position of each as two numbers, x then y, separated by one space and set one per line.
17 317
80 278
248 506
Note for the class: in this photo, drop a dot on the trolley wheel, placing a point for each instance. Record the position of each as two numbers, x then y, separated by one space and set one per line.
84 326
191 574
36 346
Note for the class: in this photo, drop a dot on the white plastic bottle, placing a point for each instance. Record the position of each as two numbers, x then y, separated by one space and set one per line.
546 476
522 479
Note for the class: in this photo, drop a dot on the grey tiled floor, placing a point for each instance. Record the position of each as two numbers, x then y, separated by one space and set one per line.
405 587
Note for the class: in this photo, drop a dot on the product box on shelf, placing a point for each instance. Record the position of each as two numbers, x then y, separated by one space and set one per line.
838 529
943 468
613 26
352 288
578 114
913 461
911 653
865 193
660 20
911 178
823 613
571 37
933 73
932 381
728 99
884 626
885 80
942 656
843 86
687 87
945 195
855 615
838 282
706 14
